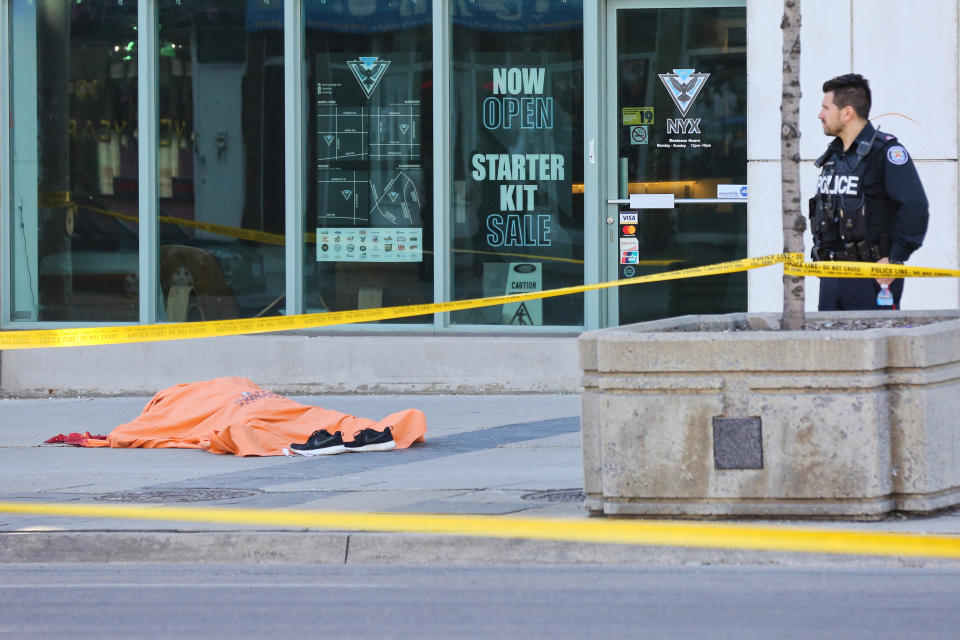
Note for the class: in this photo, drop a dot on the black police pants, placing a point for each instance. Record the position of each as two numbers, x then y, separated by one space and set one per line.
855 294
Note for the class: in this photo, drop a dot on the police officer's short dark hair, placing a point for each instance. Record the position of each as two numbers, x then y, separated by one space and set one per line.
850 89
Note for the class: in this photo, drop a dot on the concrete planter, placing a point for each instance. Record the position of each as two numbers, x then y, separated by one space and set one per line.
715 416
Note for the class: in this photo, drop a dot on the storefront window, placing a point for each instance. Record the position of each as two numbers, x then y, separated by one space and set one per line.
74 161
220 159
681 120
369 213
517 184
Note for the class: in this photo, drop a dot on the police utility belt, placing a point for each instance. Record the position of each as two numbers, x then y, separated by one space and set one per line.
845 224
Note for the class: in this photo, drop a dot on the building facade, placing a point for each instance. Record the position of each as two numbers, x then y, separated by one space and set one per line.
181 160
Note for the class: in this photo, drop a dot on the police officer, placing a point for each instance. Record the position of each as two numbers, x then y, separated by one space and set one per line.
870 205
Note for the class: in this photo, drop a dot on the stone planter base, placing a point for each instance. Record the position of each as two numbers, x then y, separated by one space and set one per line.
719 416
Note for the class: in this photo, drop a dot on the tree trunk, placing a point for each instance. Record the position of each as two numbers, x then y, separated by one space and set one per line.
793 220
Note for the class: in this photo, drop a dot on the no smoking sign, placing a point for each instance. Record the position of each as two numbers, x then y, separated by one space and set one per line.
638 134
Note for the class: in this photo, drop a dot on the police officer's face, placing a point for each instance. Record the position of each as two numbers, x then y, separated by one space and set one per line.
830 115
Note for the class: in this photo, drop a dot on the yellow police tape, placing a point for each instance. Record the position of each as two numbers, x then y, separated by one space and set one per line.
233 232
89 336
55 199
794 264
620 531
265 237
863 270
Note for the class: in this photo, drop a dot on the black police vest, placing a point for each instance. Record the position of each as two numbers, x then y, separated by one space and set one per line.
849 218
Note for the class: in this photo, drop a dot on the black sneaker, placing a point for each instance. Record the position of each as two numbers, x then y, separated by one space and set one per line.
371 440
320 443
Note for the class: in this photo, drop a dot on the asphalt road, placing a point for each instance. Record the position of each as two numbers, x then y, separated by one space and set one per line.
356 601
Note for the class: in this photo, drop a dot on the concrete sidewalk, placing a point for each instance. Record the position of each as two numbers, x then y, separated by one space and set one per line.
490 455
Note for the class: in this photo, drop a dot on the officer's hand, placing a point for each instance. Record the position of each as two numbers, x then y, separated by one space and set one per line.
883 281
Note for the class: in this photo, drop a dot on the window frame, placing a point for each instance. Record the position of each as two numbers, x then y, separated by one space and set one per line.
150 303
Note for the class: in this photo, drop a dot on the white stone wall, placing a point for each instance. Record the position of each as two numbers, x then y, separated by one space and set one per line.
908 51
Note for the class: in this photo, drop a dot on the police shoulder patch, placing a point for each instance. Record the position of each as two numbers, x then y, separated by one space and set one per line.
897 155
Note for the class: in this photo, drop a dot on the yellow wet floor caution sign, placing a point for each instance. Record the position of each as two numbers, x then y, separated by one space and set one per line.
89 336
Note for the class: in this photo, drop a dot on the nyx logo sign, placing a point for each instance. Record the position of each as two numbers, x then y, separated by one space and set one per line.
842 185
684 86
683 125
368 70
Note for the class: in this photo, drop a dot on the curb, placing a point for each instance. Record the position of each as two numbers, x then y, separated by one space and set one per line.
320 548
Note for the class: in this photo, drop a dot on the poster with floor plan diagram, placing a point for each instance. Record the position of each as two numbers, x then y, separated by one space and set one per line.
368 172
345 132
382 198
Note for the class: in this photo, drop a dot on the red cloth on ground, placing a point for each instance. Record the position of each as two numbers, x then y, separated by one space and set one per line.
76 439
234 415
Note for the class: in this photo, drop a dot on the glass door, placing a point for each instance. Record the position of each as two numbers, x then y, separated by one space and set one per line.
676 163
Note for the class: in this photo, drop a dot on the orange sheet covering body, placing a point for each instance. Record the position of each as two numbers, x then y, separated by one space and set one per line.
234 415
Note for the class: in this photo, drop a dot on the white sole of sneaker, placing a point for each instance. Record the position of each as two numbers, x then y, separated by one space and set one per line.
326 451
382 446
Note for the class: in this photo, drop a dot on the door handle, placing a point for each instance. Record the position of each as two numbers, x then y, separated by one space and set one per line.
667 201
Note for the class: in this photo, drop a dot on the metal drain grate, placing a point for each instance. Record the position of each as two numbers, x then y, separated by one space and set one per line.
197 494
556 495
